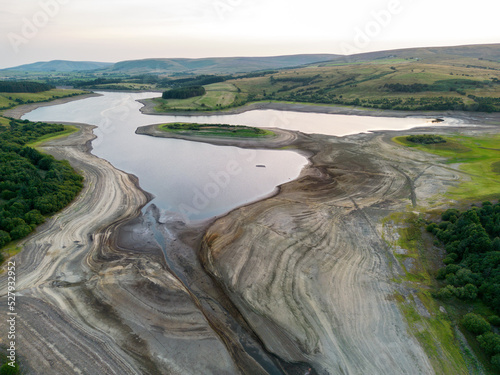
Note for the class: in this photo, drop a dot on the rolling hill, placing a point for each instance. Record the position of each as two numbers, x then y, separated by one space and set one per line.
447 78
232 65
489 52
60 66
224 65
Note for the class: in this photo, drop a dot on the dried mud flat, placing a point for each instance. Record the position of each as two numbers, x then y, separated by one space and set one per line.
87 306
298 280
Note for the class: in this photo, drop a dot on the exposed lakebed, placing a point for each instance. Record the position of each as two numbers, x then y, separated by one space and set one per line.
199 180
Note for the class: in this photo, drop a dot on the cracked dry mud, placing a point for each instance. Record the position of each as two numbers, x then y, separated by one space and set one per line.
298 280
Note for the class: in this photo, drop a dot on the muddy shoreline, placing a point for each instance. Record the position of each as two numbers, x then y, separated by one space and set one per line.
114 290
282 138
469 117
117 253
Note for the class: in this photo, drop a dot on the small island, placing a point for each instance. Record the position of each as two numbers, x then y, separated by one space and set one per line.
222 134
216 130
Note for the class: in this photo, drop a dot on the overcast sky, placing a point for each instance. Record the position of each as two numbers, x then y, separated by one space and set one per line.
116 30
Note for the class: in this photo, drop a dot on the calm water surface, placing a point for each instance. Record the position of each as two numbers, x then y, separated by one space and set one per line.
191 179
198 180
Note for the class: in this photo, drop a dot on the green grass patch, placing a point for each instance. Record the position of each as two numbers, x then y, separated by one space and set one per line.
218 96
68 129
4 121
216 130
479 157
9 100
436 333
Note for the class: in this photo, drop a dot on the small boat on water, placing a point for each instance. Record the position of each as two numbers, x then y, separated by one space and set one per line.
260 166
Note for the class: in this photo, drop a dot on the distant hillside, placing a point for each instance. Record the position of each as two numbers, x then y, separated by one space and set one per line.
232 65
224 65
465 78
430 54
60 66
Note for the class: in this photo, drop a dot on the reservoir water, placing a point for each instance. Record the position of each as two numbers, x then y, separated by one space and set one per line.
197 180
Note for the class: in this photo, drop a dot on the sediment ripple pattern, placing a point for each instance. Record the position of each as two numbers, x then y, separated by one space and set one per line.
88 307
310 271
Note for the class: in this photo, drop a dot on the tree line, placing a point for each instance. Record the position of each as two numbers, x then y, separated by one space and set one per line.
24 86
201 80
184 92
32 184
472 272
97 81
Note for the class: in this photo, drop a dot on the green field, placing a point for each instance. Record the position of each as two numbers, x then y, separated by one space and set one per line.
454 84
218 96
435 332
478 157
9 100
216 130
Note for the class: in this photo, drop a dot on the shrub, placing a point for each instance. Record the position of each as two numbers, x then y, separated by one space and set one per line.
476 324
426 139
4 238
490 342
6 369
495 320
495 361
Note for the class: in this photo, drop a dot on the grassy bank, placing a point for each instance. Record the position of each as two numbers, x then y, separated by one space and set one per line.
10 100
429 320
436 323
216 130
68 129
218 96
477 157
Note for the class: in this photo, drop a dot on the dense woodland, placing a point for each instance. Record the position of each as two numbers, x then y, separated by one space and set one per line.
32 184
200 80
23 86
472 271
184 92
